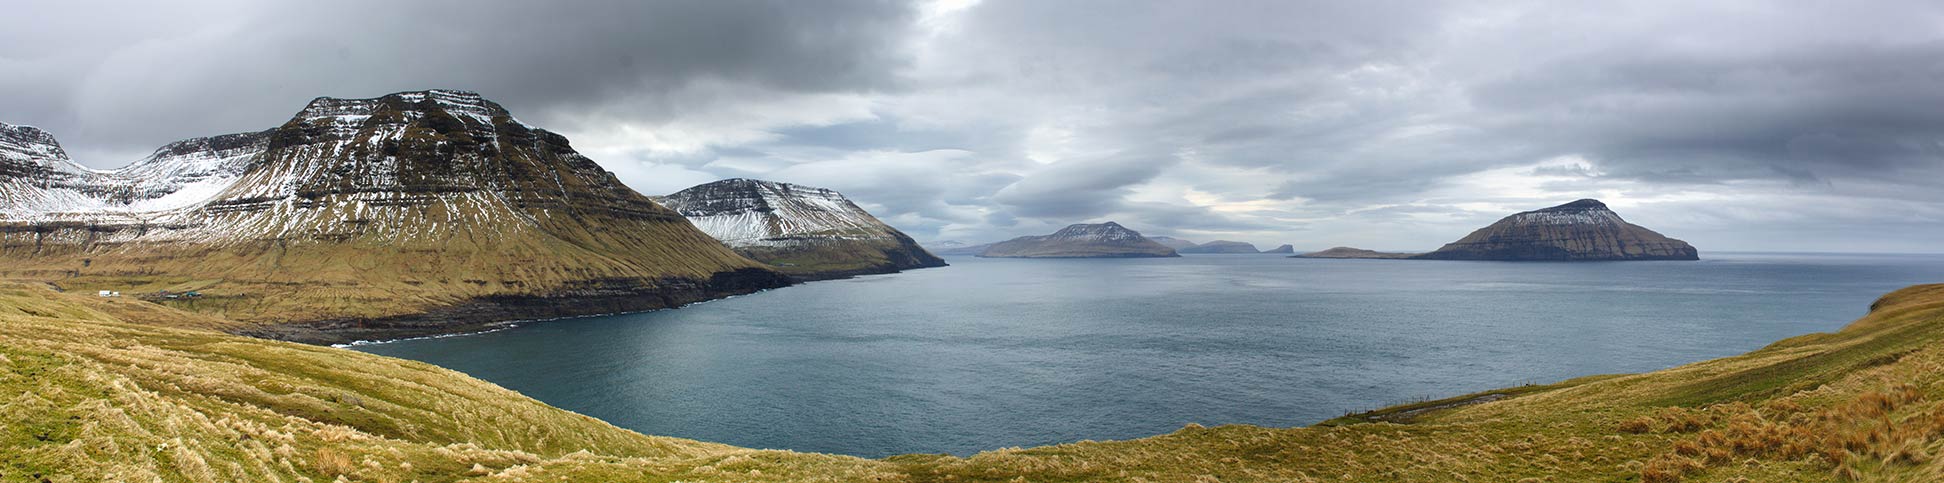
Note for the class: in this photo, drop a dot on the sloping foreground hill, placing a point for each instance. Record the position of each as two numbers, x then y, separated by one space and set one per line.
93 390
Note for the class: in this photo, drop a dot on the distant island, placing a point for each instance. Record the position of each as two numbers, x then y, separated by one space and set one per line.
1583 230
1102 240
1347 252
1221 246
1286 248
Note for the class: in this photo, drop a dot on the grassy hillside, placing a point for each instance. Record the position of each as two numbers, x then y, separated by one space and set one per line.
92 389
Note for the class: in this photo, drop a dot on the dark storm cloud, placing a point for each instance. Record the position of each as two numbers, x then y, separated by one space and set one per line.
213 68
1832 111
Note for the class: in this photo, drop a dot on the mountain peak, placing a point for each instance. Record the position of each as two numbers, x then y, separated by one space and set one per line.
1098 231
353 111
20 142
1580 230
1583 204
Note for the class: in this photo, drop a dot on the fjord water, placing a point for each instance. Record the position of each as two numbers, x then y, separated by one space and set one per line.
993 353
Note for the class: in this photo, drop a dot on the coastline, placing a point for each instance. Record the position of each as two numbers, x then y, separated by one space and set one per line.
501 325
606 297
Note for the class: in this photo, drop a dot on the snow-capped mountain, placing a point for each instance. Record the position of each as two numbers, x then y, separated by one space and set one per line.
1581 230
1100 240
357 213
42 183
806 231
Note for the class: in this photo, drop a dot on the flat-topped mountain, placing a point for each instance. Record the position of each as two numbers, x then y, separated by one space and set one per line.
411 213
804 231
1583 230
1284 249
1101 240
1221 246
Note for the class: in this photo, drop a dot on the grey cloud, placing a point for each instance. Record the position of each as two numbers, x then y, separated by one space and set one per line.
1342 121
248 65
1079 189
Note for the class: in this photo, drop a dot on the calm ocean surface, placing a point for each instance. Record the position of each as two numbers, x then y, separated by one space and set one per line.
988 354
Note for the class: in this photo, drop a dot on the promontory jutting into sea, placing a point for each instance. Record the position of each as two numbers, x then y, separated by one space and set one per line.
971 241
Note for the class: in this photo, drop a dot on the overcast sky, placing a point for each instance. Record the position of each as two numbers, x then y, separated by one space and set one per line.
1786 125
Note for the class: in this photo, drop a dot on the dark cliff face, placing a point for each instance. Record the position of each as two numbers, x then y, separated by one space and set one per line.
30 155
1583 230
805 231
1222 247
1103 240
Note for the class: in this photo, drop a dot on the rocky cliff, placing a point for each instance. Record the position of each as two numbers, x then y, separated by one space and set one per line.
1583 230
407 214
804 231
1103 240
1285 249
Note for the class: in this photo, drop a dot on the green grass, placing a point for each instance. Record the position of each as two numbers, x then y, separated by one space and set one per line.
93 390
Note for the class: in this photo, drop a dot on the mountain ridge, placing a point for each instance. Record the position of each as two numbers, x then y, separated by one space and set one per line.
805 231
412 213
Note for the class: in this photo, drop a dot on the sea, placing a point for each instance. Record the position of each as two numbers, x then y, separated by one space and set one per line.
996 353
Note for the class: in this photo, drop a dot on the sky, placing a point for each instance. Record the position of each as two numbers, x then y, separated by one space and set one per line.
1735 125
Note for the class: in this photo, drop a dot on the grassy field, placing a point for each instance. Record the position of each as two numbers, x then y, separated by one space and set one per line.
97 390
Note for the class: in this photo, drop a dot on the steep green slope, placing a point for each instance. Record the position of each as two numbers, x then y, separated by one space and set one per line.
94 389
